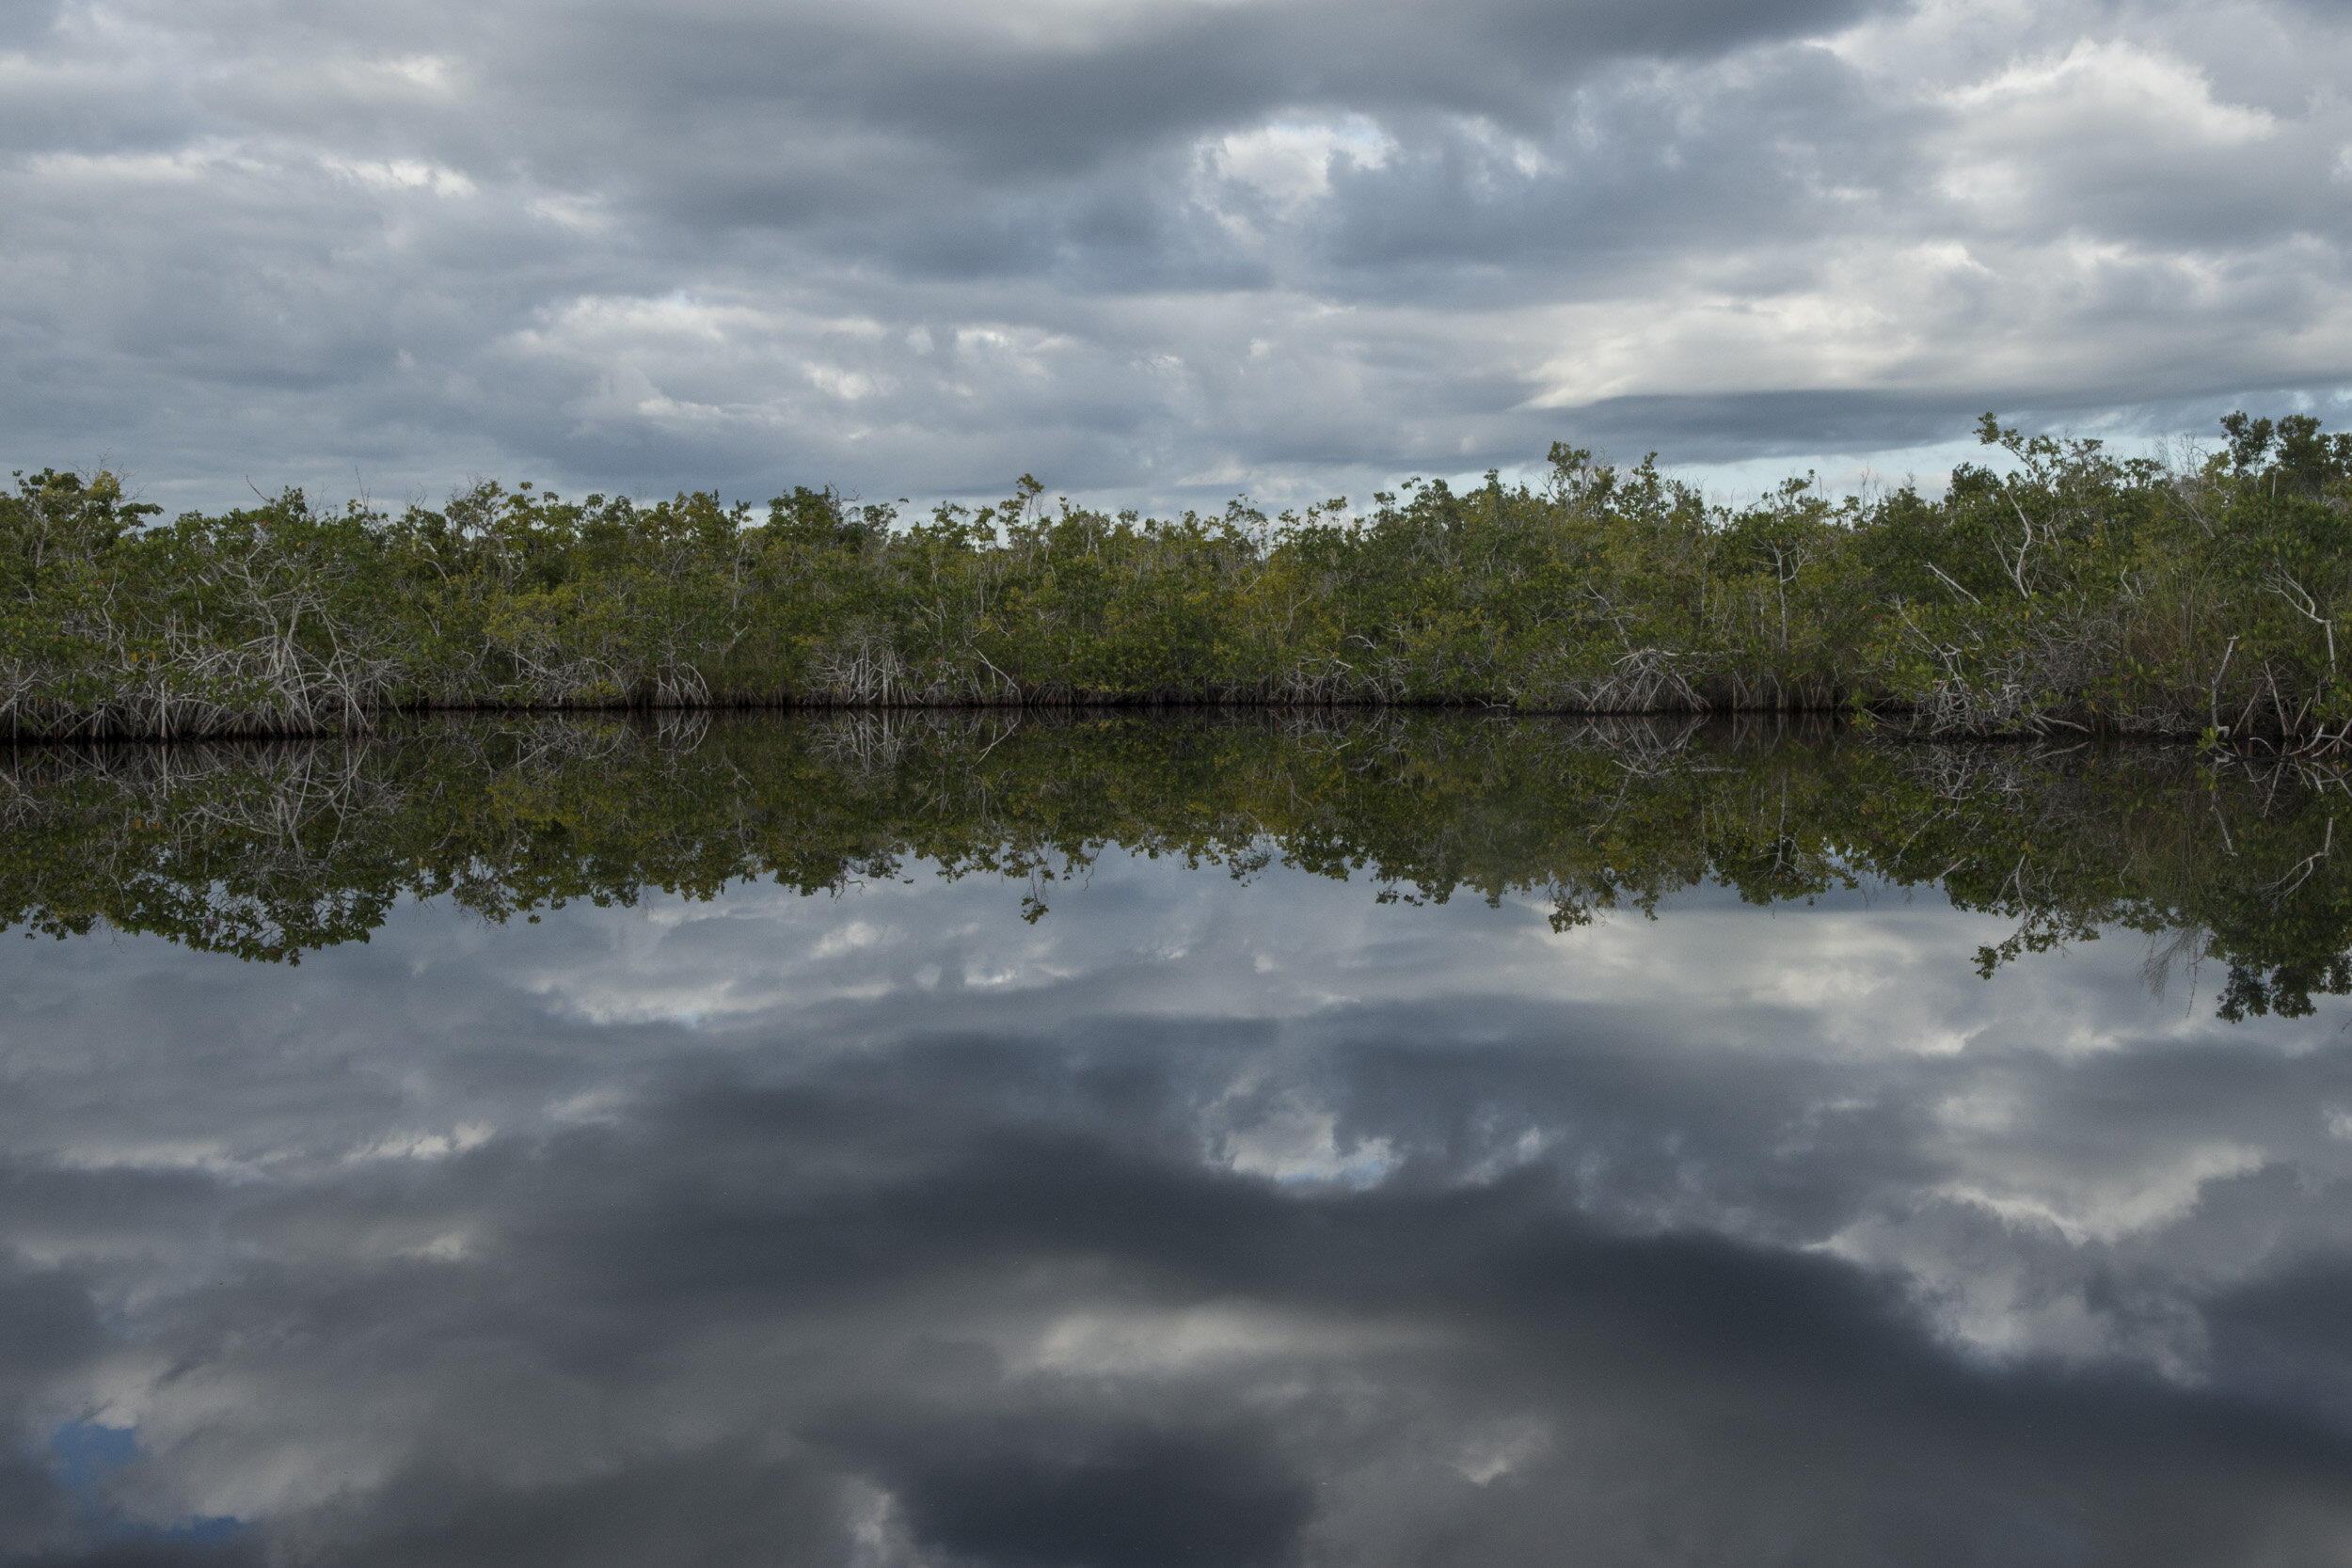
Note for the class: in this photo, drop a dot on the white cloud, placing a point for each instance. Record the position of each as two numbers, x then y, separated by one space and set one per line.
399 174
1289 163
2104 88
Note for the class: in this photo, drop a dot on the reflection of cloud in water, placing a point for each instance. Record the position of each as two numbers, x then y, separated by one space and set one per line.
1243 1225
1297 1144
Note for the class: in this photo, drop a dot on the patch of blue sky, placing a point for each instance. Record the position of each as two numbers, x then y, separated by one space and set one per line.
86 1459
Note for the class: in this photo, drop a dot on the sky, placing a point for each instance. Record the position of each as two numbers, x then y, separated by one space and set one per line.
1156 252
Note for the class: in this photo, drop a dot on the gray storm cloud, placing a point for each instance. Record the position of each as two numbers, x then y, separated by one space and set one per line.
1151 251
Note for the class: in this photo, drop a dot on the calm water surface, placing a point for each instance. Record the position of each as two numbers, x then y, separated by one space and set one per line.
1434 1142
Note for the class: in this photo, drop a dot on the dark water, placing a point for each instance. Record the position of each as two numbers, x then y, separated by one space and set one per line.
1423 1142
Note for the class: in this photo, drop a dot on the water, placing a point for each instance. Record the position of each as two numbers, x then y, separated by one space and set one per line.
1430 1141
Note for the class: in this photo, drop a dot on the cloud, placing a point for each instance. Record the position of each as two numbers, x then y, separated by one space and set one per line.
1155 250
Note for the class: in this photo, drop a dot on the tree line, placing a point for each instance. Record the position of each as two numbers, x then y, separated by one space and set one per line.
2058 589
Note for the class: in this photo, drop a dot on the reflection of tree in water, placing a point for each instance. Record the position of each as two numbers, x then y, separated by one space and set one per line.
268 851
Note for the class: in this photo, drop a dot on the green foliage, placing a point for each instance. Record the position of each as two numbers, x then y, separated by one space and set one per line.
2058 588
